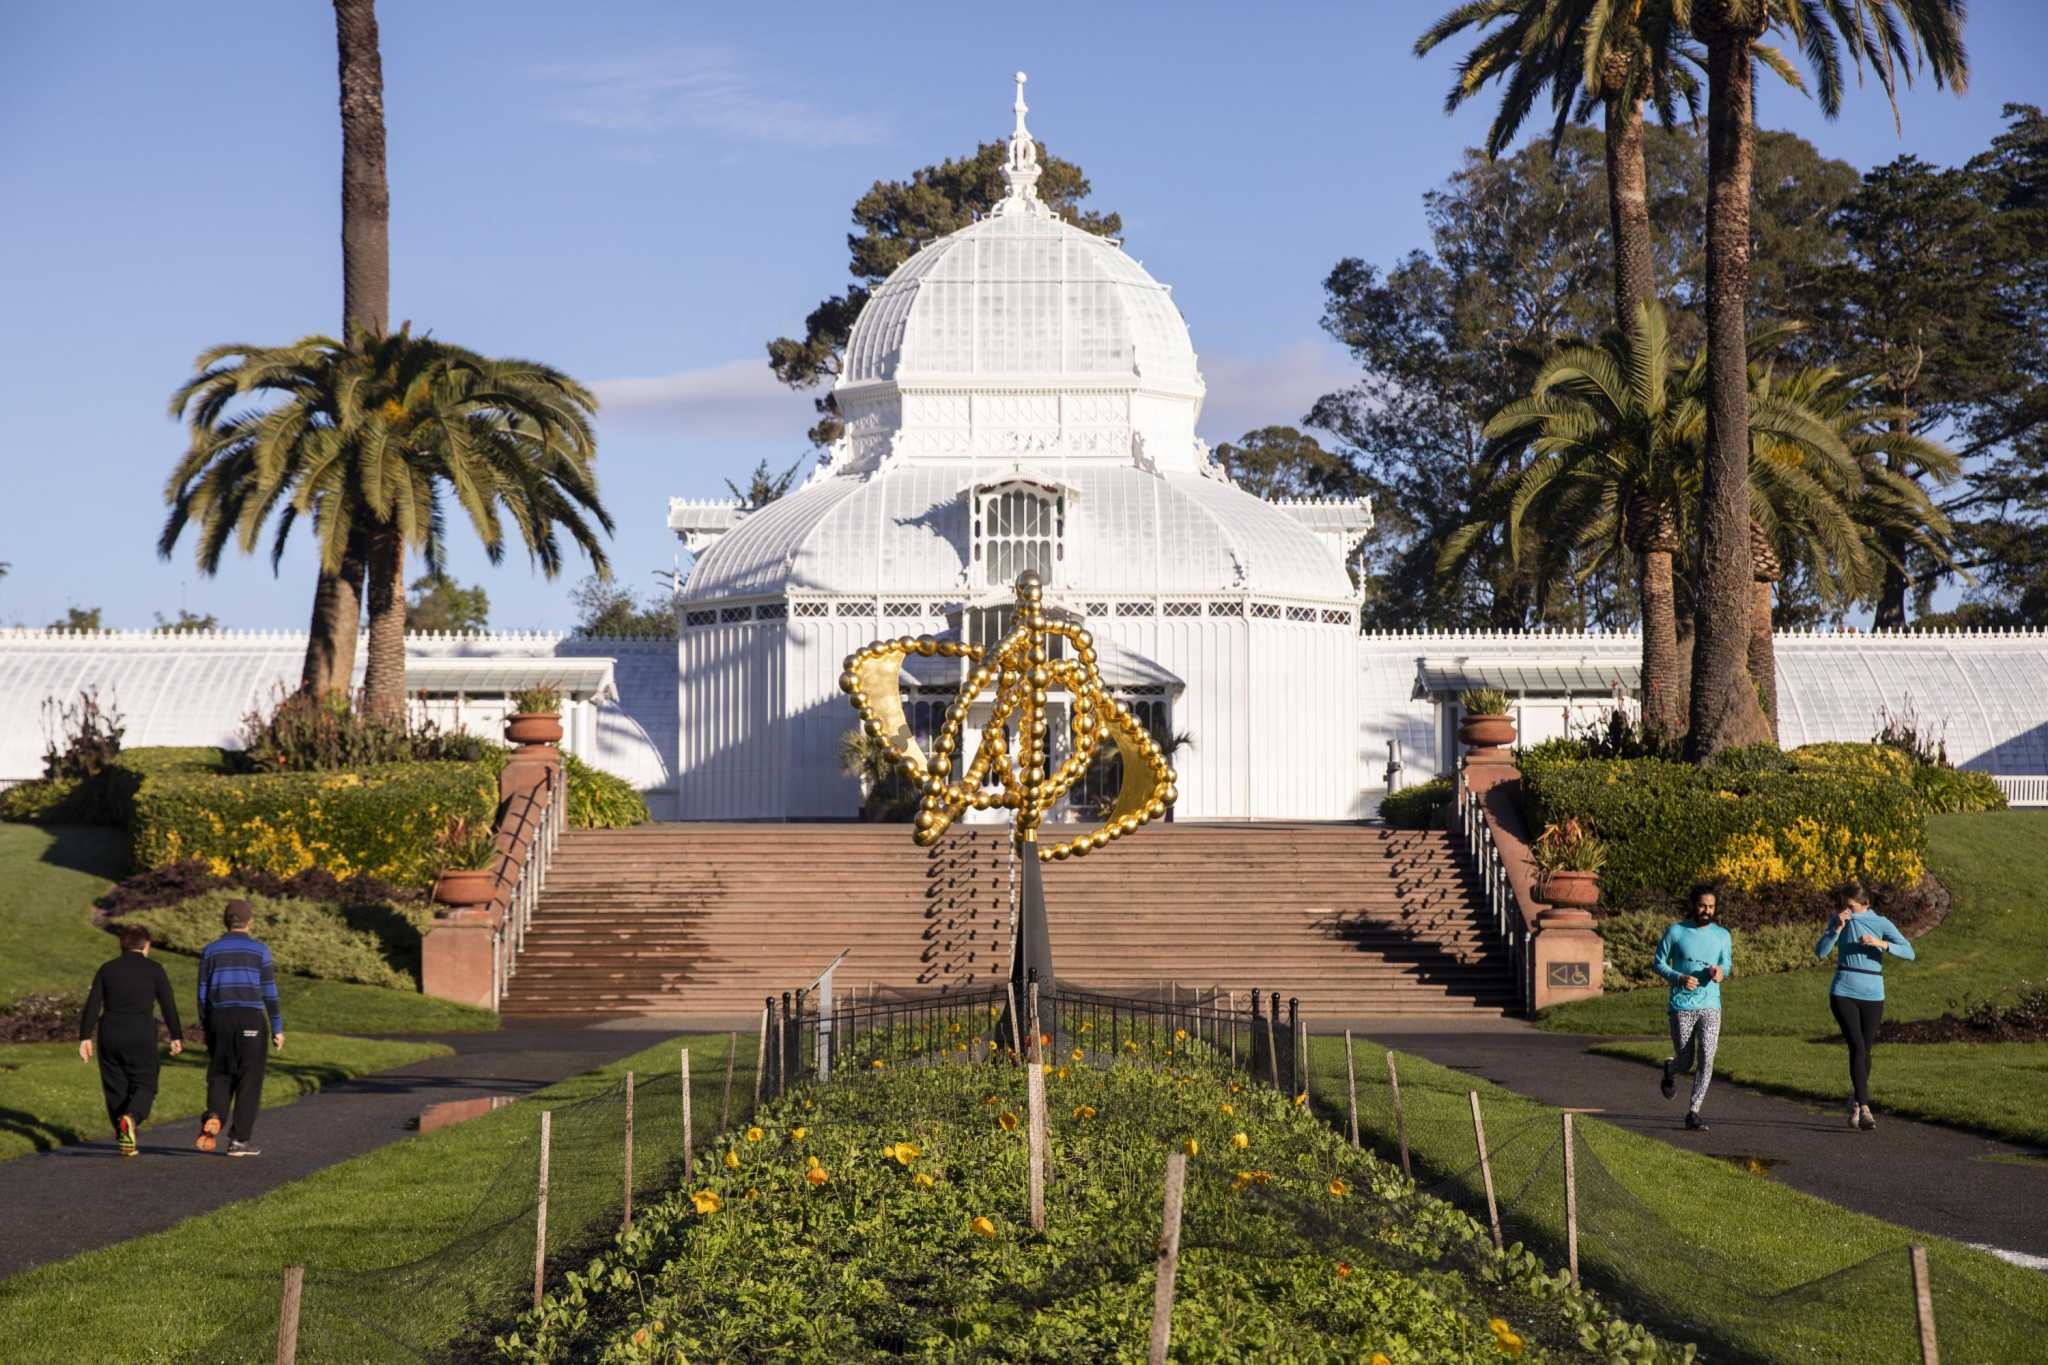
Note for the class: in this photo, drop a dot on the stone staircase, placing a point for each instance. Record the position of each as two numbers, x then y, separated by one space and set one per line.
707 919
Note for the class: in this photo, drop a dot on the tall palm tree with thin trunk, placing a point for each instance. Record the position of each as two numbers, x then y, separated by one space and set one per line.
365 307
1891 37
369 439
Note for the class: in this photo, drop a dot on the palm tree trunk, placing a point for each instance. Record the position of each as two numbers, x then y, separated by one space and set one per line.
1725 710
365 194
337 611
1628 211
384 676
1663 701
1763 654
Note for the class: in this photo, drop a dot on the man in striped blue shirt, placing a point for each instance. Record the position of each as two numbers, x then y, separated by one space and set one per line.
238 1004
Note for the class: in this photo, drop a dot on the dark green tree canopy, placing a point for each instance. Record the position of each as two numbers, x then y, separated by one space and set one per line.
439 603
604 606
895 218
186 623
764 485
78 618
1286 462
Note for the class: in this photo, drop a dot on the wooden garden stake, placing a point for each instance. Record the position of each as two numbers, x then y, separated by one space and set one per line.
1272 1054
629 1152
1485 1170
689 1154
1400 1118
1571 1203
1233 1030
1351 1082
1169 1258
732 1055
1923 1307
1036 1049
761 1059
1301 1055
288 1315
540 1214
1016 1024
1034 1093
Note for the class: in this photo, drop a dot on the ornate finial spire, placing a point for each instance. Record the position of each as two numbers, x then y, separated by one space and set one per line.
1021 171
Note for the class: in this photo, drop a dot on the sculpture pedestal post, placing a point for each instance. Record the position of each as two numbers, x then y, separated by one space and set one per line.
1033 959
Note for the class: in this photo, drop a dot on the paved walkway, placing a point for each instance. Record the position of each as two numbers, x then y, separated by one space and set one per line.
72 1199
1918 1175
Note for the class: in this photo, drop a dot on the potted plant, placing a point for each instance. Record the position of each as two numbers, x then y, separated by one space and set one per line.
1486 724
1568 861
536 716
469 877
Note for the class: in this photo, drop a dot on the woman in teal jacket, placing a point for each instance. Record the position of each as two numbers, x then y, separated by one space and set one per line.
1861 939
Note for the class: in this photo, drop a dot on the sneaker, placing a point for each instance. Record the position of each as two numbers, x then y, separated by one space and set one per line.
209 1133
1694 1121
1670 1084
1866 1121
1855 1114
237 1148
124 1133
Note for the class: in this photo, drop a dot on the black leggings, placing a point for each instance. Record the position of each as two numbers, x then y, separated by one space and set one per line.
1858 1020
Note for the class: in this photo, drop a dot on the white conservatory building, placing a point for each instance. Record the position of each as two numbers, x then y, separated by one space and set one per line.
1022 394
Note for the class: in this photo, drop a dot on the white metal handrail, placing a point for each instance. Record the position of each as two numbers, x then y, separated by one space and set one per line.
1469 826
546 811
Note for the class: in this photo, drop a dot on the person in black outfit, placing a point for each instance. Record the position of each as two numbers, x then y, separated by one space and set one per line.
126 993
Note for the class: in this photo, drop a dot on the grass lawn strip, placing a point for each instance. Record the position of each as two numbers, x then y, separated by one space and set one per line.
58 1097
1692 1246
209 1284
1991 1088
1996 865
911 1182
50 877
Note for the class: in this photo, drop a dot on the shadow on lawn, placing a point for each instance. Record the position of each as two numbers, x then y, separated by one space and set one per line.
101 851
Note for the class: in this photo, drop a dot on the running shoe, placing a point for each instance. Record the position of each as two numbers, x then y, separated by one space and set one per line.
1866 1120
1694 1121
1670 1084
236 1148
209 1133
124 1133
1855 1114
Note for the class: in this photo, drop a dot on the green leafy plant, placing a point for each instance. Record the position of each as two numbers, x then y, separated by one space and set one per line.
371 943
600 800
1483 701
533 701
466 844
304 732
1416 807
1569 847
83 738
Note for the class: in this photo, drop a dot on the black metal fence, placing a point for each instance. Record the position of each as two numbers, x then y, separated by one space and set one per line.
808 1037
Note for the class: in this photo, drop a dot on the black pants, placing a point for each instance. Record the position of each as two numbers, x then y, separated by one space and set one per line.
1858 1020
238 1047
128 1065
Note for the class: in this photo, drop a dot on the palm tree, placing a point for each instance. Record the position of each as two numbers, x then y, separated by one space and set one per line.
1892 37
365 307
367 440
1586 52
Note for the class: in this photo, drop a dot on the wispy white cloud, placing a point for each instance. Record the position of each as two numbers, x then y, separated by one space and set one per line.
739 400
707 88
1276 388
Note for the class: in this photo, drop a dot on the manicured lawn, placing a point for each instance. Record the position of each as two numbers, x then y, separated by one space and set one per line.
1696 1248
48 879
1995 863
1995 1088
216 1276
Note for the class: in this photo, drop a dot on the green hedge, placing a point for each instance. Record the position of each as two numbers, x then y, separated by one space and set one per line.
107 799
1632 937
370 944
1947 791
376 822
598 800
1759 818
1417 807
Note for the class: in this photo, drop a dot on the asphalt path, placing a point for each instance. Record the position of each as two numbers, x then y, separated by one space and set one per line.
1919 1175
61 1202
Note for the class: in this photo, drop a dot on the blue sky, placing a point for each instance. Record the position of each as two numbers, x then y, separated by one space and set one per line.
642 193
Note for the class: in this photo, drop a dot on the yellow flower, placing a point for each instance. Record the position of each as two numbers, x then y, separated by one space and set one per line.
993 1011
1301 1099
991 1098
1130 1045
876 1064
816 1175
1240 1141
1180 1035
755 1135
1060 1075
732 1161
1343 1270
904 1152
1191 1147
1008 1120
1084 1111
1235 1088
707 1201
1045 1068
796 1134
960 1047
1225 1109
1338 1189
1077 1054
1379 1358
983 1226
921 1180
1505 1337
810 1163
639 1337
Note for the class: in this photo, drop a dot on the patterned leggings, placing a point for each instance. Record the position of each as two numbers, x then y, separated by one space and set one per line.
1694 1036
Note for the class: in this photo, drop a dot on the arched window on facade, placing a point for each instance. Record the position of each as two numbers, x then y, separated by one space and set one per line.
1018 526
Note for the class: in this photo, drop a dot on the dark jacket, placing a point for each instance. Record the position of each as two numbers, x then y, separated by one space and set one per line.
130 984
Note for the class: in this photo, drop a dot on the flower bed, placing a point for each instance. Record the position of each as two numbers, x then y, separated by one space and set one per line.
884 1216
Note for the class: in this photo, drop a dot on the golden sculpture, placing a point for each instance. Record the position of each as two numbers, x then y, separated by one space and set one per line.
1023 673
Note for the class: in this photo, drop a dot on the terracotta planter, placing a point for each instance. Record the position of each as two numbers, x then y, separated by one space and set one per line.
1571 890
463 888
1487 732
534 727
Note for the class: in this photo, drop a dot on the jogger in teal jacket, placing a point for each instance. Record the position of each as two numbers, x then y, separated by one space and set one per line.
1861 940
1695 956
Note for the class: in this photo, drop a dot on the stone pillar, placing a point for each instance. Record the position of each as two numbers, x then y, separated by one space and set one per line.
455 957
